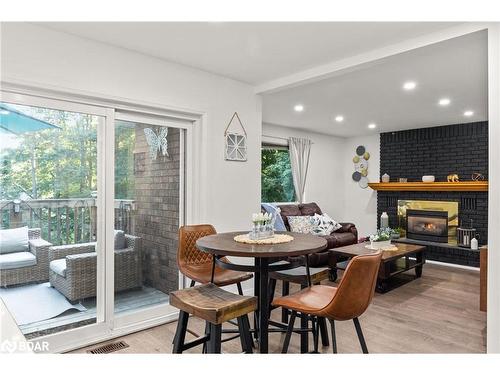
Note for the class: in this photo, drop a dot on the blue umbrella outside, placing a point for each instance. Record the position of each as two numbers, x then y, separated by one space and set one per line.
15 122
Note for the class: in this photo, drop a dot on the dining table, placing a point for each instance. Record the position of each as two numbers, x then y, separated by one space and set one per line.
267 258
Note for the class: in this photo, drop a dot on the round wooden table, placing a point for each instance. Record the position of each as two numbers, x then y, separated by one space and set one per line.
223 244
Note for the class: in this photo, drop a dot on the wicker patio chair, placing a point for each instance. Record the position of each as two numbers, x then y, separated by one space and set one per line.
36 273
73 268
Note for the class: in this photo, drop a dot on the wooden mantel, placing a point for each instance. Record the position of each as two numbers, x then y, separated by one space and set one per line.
430 186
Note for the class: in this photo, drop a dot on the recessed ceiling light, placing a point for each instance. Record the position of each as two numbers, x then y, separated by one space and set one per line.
468 113
4 112
298 108
410 85
444 101
339 118
372 126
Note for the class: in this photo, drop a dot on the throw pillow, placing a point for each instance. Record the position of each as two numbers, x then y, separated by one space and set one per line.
302 224
14 240
120 241
325 225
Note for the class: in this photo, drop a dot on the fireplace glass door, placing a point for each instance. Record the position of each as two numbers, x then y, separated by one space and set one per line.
427 225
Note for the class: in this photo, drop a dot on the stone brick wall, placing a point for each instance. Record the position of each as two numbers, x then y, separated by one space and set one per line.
157 209
439 151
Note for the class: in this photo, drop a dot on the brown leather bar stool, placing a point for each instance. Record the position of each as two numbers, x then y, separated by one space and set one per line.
299 276
348 301
197 265
215 306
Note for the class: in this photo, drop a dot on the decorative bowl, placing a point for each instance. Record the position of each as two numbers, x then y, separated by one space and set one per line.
428 178
376 245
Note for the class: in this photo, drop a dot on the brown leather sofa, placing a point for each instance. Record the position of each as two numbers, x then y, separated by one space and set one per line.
346 235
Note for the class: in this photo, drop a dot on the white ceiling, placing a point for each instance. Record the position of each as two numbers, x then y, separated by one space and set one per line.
456 69
253 52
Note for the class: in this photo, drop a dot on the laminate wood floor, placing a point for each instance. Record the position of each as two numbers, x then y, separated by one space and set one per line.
438 313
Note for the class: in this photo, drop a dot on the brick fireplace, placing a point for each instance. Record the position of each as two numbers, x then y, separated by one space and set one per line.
438 151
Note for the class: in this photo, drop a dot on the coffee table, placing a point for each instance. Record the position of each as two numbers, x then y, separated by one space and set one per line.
392 263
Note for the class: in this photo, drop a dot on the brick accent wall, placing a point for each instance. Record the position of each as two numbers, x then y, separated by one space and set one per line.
439 151
157 209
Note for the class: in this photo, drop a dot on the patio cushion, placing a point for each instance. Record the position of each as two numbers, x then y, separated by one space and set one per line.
58 266
120 241
17 260
13 240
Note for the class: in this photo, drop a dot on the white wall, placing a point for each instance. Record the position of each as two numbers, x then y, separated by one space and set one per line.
326 168
39 56
360 205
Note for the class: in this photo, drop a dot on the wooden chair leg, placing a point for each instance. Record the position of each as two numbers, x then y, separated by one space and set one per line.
245 336
323 331
214 342
334 337
360 335
180 332
285 290
289 331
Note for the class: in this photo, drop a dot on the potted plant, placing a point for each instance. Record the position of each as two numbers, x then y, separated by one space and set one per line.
381 239
397 233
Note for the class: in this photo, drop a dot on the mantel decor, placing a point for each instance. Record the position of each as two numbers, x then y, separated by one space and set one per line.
235 148
430 186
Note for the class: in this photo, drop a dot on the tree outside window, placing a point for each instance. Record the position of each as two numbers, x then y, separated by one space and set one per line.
276 175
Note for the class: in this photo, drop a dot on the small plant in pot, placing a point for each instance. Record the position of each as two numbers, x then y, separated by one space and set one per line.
381 239
397 233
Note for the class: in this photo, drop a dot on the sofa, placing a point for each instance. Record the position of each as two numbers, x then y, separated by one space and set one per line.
346 235
73 268
23 256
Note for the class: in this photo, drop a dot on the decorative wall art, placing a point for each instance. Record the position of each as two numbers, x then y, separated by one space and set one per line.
157 141
235 148
360 161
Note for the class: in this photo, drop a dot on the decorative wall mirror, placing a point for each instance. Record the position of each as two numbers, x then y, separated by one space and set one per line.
235 140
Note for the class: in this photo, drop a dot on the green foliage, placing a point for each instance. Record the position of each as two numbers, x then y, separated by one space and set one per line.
61 163
276 176
52 163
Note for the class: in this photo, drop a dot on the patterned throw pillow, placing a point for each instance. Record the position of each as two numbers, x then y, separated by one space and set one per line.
325 225
302 224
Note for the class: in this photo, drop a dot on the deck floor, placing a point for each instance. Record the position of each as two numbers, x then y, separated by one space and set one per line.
438 313
124 301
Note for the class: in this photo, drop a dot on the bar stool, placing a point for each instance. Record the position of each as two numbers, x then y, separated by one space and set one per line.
198 266
299 276
215 306
350 300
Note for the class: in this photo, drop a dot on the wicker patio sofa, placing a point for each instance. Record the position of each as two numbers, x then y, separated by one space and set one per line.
73 268
31 266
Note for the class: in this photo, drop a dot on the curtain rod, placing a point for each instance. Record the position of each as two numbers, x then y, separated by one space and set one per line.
284 139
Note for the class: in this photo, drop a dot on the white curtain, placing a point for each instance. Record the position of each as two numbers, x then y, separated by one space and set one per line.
299 150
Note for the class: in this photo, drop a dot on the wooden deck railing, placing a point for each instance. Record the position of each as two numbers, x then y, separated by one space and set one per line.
64 221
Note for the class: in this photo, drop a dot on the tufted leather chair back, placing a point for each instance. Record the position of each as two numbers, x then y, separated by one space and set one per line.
355 291
188 254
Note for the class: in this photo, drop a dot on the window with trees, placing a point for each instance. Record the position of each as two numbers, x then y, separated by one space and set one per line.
276 175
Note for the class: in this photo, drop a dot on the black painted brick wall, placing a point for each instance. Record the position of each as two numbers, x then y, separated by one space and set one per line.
438 151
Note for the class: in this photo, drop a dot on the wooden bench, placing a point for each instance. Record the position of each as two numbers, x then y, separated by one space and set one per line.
215 306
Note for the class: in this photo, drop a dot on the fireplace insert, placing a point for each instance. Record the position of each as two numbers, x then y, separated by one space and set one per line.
427 225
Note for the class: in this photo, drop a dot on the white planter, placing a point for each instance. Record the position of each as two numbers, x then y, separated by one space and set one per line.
379 244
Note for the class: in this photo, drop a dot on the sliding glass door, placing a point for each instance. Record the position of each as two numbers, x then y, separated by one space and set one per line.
149 167
50 224
91 200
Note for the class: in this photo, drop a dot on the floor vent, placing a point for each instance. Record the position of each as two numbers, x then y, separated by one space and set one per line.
109 348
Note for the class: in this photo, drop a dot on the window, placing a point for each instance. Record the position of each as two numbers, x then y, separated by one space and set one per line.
276 175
